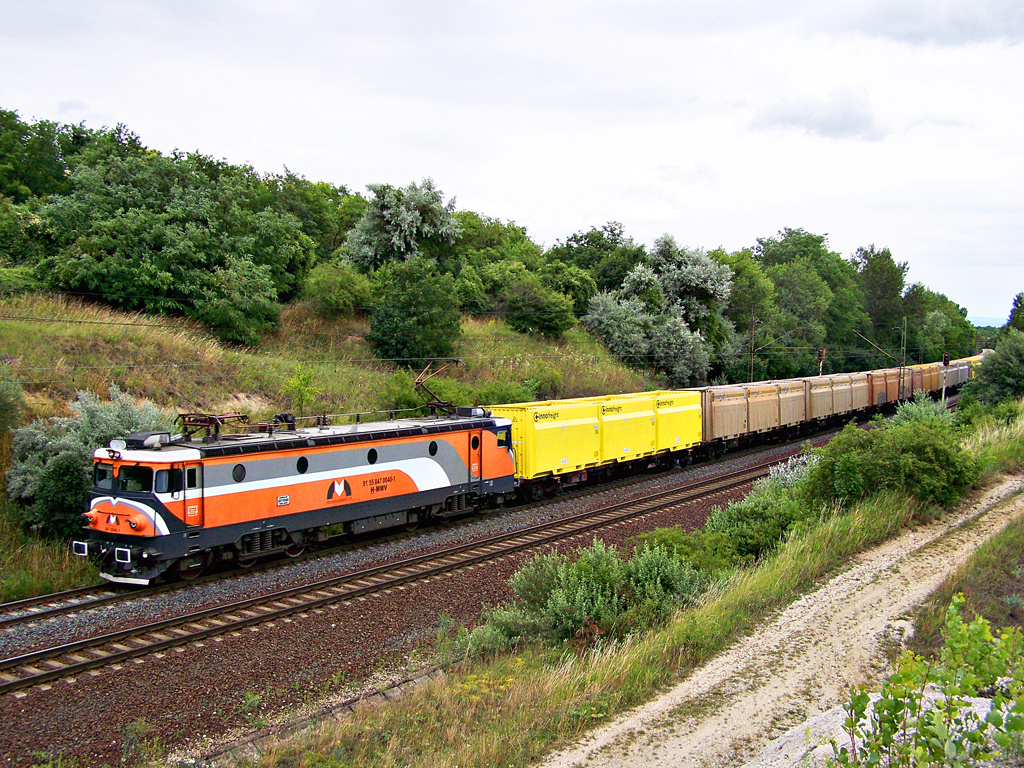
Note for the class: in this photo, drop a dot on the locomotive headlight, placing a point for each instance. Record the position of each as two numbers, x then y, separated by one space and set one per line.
90 517
135 521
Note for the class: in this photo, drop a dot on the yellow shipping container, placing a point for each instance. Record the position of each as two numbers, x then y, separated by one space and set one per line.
552 437
561 436
628 430
678 419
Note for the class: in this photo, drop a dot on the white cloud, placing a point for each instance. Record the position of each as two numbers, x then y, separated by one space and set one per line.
843 114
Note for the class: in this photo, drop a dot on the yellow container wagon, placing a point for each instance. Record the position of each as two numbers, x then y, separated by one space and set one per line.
569 437
553 437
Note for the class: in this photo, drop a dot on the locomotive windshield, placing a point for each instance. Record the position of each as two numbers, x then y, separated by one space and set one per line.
130 479
103 476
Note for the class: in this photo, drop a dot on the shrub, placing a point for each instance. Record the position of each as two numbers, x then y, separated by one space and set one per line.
920 458
530 307
902 728
756 524
49 477
414 316
473 298
12 402
1001 372
561 599
337 290
239 301
924 410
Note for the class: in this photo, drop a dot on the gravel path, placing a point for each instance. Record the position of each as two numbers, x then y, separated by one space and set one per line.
191 697
800 664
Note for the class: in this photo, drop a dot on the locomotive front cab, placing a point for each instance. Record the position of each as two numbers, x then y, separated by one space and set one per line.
143 498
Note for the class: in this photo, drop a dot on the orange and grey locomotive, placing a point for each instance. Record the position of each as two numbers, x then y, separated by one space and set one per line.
176 504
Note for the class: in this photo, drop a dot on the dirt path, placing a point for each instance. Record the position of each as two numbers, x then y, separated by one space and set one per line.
803 662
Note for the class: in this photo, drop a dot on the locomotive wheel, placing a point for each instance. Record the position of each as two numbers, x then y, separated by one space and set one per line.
294 550
188 569
247 563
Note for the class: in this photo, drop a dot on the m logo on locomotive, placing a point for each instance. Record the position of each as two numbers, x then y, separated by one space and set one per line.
339 489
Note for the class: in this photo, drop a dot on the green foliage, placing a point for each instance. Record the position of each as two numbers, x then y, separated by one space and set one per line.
571 281
755 525
1016 318
920 458
413 317
302 388
923 410
17 280
51 470
401 224
596 593
12 401
180 234
1001 373
337 290
473 297
21 236
484 240
605 252
935 325
239 302
904 727
530 307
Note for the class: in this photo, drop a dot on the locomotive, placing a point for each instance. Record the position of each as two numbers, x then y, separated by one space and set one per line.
174 504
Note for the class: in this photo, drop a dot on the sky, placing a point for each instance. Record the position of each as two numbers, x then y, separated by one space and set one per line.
896 123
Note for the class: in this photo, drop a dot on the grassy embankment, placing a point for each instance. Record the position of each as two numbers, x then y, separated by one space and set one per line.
992 581
64 346
509 710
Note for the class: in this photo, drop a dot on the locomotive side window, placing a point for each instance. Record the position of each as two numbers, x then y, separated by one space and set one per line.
192 477
168 481
432 448
238 473
135 479
302 465
503 438
475 442
103 476
371 457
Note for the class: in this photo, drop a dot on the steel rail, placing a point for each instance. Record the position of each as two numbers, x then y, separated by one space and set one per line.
69 660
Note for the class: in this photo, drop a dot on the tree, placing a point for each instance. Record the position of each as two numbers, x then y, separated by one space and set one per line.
483 240
571 281
530 307
1001 372
695 285
401 224
881 279
605 252
337 290
413 317
1016 319
146 232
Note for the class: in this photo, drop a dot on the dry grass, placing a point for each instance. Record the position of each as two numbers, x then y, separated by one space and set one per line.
58 346
29 566
510 710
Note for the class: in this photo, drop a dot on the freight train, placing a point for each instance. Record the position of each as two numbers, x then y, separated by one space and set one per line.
164 504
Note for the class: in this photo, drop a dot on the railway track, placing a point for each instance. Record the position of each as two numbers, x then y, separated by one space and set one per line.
67 661
57 604
46 607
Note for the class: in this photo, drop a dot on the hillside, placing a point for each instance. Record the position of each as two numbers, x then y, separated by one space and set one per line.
57 346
